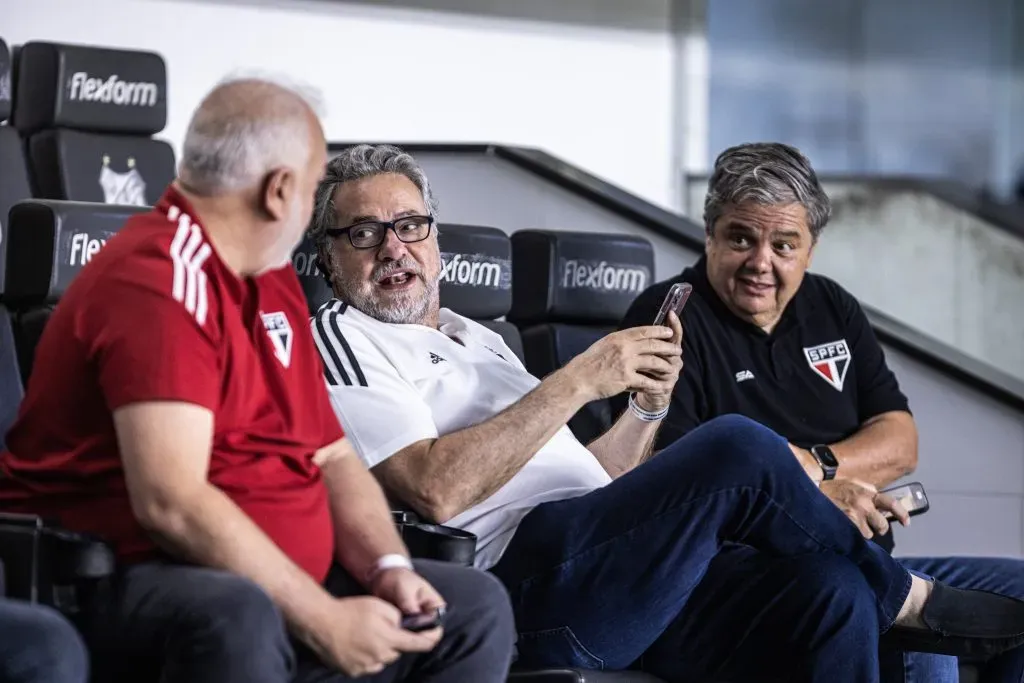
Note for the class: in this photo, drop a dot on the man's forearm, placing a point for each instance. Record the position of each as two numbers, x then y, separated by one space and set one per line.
881 451
465 467
208 528
363 528
628 443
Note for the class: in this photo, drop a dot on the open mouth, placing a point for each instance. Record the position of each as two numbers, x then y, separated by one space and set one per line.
397 280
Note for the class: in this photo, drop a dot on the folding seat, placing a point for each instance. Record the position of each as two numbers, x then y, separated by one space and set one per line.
48 243
569 289
13 188
476 277
87 114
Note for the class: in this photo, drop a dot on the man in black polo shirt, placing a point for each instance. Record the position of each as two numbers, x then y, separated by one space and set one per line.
794 351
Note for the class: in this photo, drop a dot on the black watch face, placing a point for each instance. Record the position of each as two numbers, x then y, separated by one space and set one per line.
828 459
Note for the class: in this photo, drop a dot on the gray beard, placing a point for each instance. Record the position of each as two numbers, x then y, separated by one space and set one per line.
404 309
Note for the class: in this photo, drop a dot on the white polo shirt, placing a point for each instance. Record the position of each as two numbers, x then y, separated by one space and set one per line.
393 385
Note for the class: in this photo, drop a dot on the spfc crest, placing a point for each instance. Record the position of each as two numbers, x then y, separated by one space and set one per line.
830 360
280 332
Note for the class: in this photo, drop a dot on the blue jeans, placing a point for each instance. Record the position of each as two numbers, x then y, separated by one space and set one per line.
716 559
37 645
999 575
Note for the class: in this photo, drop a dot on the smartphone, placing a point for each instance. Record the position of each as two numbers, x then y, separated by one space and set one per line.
423 622
911 496
674 301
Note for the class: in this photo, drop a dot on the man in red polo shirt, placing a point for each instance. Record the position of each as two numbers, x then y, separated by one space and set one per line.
177 408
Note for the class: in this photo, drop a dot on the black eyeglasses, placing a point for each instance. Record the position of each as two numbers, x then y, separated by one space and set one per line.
370 234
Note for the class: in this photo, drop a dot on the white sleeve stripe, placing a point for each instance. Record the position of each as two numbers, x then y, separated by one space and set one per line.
188 253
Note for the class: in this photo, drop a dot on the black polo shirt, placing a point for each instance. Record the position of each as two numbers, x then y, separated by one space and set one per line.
815 379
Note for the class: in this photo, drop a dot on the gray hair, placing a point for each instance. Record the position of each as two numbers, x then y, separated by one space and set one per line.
246 126
356 163
766 173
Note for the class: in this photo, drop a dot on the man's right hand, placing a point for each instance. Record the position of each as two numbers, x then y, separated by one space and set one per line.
363 635
864 505
622 361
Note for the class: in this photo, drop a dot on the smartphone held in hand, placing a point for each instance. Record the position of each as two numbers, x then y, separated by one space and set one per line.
674 301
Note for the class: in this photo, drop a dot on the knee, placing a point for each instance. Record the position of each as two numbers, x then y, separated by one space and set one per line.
739 441
219 602
52 650
476 600
836 591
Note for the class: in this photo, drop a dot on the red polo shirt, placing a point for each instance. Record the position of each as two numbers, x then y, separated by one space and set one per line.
156 315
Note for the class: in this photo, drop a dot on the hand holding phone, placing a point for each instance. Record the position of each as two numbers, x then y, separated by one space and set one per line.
676 298
424 621
911 496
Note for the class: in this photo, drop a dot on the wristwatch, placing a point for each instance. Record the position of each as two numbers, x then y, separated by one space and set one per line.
826 459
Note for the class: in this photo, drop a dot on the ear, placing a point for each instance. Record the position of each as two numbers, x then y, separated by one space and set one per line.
279 188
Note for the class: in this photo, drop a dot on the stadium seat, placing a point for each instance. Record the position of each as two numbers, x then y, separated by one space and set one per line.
11 386
87 114
476 277
569 289
48 242
13 188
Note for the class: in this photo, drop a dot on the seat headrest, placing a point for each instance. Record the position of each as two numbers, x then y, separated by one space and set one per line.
111 169
48 242
90 88
580 277
314 286
476 270
5 81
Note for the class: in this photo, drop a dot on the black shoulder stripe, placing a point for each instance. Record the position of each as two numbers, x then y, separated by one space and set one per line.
335 360
360 377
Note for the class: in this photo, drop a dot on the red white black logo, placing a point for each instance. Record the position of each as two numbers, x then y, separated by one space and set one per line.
280 332
830 360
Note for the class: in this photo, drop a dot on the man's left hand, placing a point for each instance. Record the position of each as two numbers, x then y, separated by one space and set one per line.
407 590
658 398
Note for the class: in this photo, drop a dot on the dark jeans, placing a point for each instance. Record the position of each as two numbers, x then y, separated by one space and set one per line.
178 624
37 645
999 575
647 569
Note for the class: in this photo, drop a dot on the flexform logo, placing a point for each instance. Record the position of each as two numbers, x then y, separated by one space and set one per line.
111 90
84 247
305 263
476 270
602 276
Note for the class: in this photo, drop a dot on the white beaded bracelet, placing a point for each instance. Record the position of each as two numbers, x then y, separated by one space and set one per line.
645 415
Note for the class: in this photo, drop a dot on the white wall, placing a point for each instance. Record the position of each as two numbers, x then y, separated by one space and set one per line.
594 92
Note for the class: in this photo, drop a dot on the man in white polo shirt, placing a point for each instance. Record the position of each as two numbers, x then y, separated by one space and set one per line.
702 562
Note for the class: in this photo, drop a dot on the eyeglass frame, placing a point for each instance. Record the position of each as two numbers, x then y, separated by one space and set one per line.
387 225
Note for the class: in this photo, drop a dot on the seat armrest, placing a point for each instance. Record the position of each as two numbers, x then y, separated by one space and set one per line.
433 541
47 564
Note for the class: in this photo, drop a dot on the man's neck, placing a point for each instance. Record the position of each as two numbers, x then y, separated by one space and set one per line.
224 220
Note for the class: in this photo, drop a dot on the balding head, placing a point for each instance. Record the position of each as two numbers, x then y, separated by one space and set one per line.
243 130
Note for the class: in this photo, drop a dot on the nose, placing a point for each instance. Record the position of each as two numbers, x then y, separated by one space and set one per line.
392 248
760 260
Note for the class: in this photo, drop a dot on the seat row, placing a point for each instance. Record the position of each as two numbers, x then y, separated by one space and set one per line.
550 294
